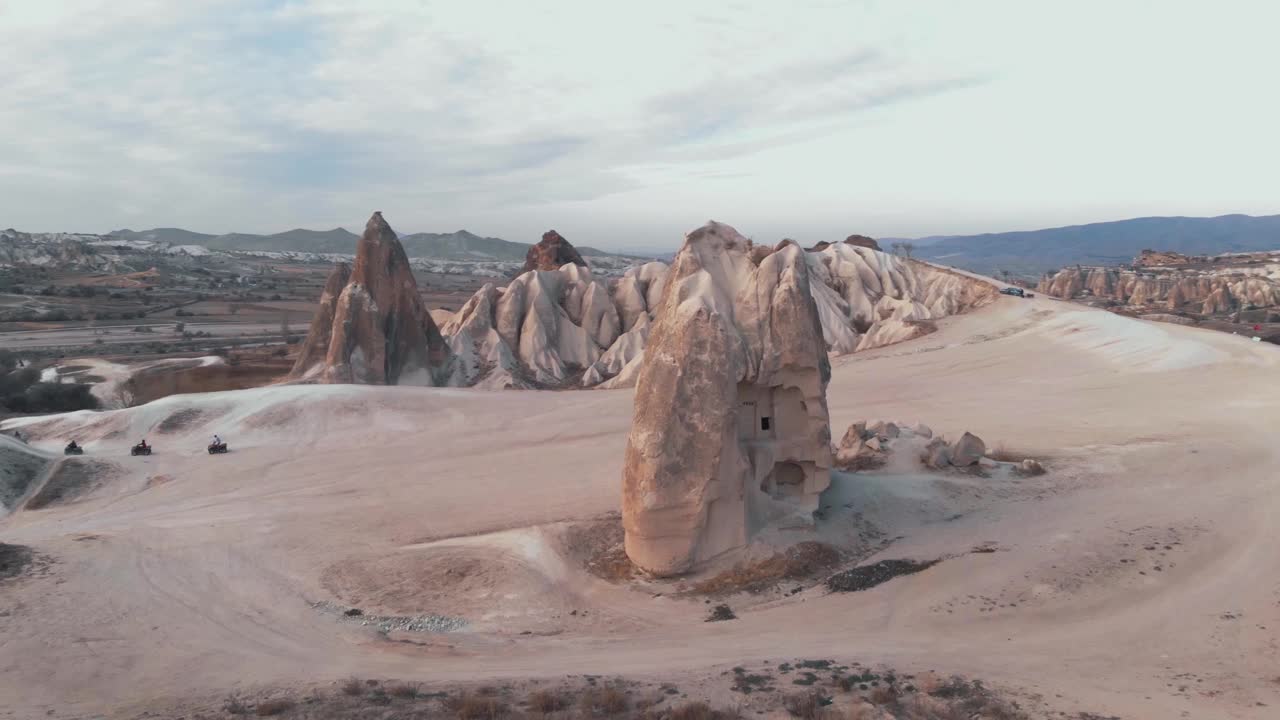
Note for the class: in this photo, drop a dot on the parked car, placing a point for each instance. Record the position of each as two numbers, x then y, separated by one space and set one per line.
1016 291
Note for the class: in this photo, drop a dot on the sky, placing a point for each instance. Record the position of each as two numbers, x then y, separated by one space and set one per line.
625 125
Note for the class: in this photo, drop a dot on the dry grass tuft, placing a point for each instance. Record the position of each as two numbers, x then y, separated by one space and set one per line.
403 690
352 686
700 711
469 706
806 706
607 700
883 696
546 701
278 706
235 706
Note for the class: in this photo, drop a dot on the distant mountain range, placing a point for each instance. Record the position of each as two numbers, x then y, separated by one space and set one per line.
1031 253
460 245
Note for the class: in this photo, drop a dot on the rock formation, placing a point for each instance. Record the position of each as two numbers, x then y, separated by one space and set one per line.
1203 290
516 337
868 299
730 430
554 328
375 329
968 450
862 241
551 253
1164 258
315 348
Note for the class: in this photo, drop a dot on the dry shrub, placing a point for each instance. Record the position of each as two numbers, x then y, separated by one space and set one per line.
608 700
883 696
864 711
403 690
546 701
721 613
235 706
277 706
700 711
352 686
806 706
469 706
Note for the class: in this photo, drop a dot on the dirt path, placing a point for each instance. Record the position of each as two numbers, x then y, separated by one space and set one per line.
1138 578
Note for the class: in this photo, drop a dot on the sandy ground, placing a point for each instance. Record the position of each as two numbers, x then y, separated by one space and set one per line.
1139 578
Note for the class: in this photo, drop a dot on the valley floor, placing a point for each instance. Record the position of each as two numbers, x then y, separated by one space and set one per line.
1138 578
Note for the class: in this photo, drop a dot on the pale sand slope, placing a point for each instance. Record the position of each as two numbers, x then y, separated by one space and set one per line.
190 576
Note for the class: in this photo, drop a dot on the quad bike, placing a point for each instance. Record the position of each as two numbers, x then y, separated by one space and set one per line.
140 450
218 448
77 450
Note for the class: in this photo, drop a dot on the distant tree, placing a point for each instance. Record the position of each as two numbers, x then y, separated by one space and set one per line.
1005 274
896 248
907 249
179 327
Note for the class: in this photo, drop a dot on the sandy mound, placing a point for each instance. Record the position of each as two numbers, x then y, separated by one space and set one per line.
508 580
20 467
73 478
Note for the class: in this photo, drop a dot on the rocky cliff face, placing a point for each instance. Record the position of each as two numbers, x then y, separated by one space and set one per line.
730 430
551 253
380 332
1215 291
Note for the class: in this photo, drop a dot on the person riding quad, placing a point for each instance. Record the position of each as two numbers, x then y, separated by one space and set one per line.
72 445
216 441
142 443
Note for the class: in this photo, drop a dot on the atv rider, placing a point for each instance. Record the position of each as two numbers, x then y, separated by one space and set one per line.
72 445
142 443
216 441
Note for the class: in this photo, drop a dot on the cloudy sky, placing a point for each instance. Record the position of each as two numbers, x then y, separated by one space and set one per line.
626 124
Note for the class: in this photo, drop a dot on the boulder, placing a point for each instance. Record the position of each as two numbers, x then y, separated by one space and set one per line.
847 455
854 435
730 432
875 443
922 430
885 430
1030 468
937 456
551 253
968 450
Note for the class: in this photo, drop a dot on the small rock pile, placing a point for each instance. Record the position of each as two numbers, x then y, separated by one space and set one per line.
965 452
868 445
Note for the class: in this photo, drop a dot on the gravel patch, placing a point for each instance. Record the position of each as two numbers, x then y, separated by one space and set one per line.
869 576
388 623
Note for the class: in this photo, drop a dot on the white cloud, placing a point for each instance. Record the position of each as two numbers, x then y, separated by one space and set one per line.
625 123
